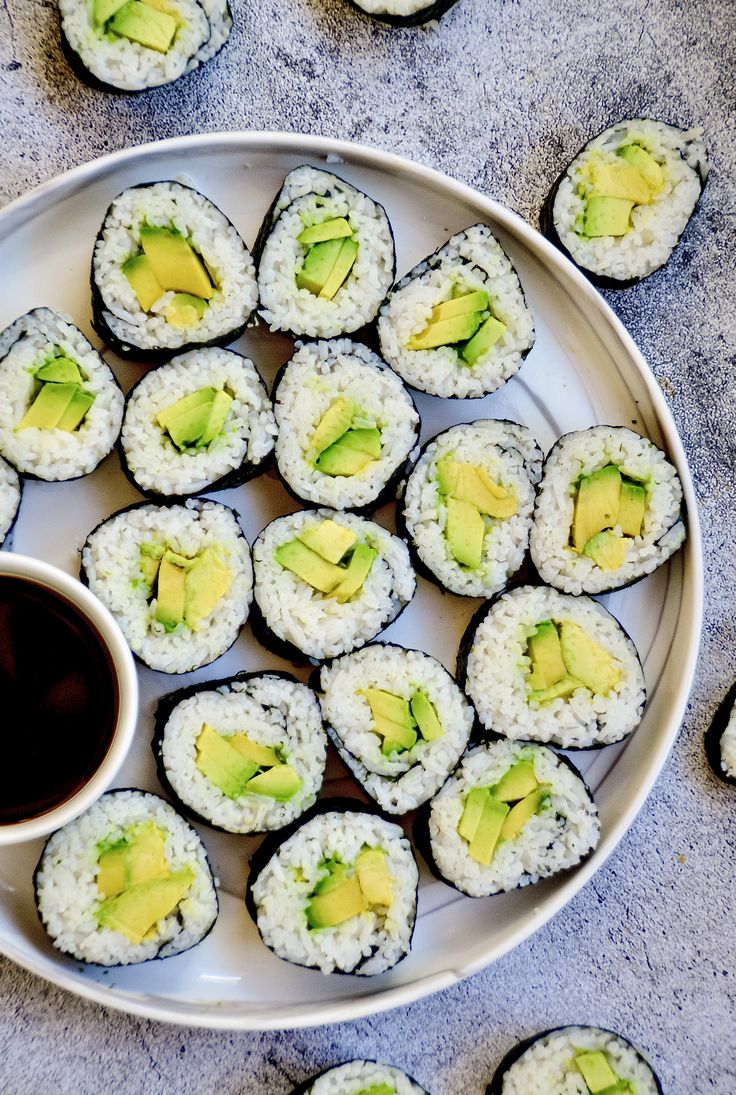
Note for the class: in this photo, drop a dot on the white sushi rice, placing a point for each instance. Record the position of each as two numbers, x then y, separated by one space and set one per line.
124 64
656 228
555 839
356 1077
314 622
548 1066
210 233
728 746
272 711
403 780
512 459
498 669
66 883
580 453
53 454
318 375
367 944
308 196
475 260
155 462
392 7
10 491
111 563
221 23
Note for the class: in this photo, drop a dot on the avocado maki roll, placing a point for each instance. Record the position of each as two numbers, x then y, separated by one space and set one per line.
327 583
398 720
575 1061
60 405
542 666
457 325
177 578
511 814
720 738
127 881
338 893
132 45
202 422
347 426
361 1078
468 502
608 511
10 492
404 13
221 23
619 209
169 273
325 256
245 754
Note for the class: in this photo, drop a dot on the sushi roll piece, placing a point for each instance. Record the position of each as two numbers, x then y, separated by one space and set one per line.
246 754
202 422
338 893
11 488
221 23
720 739
608 512
575 1061
347 426
133 45
404 13
542 666
360 1078
325 256
457 325
467 505
327 583
177 577
169 273
126 882
60 405
511 814
619 209
398 720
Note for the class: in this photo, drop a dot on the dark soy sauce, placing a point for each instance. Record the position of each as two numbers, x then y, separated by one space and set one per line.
58 699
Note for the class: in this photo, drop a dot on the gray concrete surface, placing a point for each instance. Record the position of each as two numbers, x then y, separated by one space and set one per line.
499 96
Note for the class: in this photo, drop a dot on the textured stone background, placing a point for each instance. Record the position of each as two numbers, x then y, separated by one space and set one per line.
500 96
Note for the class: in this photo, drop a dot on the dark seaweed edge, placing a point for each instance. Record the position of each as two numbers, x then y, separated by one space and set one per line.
427 14
228 13
6 538
714 733
305 1087
154 957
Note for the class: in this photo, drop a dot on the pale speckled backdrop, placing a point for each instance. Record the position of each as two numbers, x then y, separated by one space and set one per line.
500 96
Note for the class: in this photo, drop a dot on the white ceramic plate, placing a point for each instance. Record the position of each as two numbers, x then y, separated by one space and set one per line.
584 369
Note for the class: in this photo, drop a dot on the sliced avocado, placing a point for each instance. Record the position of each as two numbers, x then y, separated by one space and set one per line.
336 421
596 1070
375 881
102 10
343 265
596 504
586 660
335 229
207 581
564 687
219 410
473 812
631 507
546 656
619 179
136 911
355 573
76 411
150 557
144 283
607 550
337 873
112 877
607 217
146 854
645 164
170 594
60 370
328 539
265 756
483 844
469 483
517 783
465 530
179 560
377 1089
350 454
476 301
182 406
389 746
425 716
222 763
519 814
280 782
185 310
487 336
319 263
309 566
326 910
391 717
446 332
48 407
367 440
186 428
145 25
176 265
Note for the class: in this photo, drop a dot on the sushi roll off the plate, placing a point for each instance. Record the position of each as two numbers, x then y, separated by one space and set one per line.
720 739
361 1078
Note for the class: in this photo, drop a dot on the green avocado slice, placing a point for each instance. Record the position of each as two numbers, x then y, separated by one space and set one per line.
223 764
377 1089
170 594
425 716
60 370
207 581
543 648
339 273
327 910
374 878
218 412
465 531
619 179
185 310
137 910
483 340
586 660
560 690
355 573
309 566
141 23
318 265
103 10
596 1071
607 217
469 483
76 411
265 756
328 539
523 811
138 857
473 812
645 164
175 264
631 507
48 407
477 301
446 332
337 228
336 421
280 782
483 844
518 782
596 504
607 550
144 283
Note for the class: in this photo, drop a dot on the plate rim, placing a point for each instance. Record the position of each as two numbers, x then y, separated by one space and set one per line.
225 1017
